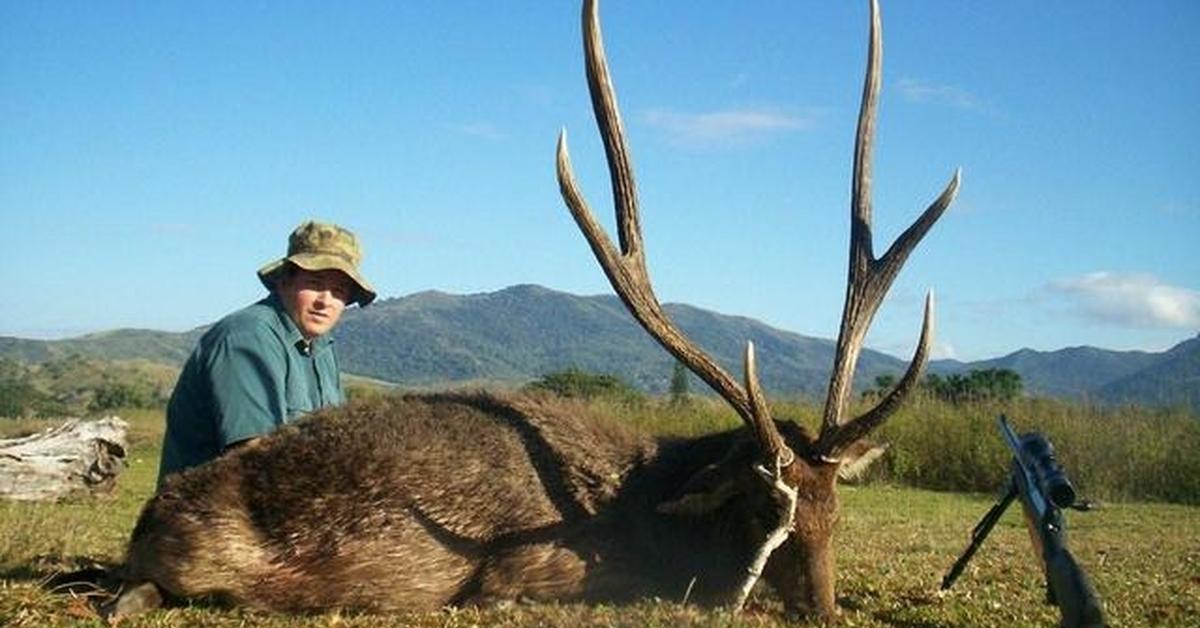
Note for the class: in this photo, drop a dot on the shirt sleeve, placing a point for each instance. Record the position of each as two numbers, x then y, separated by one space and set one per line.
248 373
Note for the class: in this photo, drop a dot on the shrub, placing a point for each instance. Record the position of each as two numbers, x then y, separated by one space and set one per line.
22 400
113 395
579 384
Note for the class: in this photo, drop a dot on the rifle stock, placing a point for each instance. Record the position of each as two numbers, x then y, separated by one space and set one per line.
1072 591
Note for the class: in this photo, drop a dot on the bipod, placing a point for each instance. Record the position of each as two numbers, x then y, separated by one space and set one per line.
979 534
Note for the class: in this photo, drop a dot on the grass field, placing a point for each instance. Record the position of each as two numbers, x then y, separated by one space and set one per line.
894 545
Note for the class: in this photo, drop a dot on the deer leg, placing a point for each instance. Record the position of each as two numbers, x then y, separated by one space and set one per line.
133 601
536 572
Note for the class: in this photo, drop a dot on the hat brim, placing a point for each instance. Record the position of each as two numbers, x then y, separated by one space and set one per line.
364 294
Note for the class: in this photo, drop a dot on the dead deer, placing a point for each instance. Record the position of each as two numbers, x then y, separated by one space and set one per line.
420 501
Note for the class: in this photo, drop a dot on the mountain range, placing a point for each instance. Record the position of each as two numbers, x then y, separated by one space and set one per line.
520 333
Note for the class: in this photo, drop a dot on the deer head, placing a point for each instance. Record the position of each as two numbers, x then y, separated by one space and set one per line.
800 469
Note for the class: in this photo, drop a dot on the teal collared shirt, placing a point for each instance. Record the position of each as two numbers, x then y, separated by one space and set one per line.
249 374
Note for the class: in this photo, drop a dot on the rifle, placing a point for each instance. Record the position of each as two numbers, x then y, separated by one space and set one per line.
1044 489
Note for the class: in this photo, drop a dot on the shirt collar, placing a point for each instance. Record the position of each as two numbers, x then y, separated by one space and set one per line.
292 333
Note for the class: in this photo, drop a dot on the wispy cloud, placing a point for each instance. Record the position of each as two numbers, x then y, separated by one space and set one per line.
482 130
918 91
943 351
726 127
1129 299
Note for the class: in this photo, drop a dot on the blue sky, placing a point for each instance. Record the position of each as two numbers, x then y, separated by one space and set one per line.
154 154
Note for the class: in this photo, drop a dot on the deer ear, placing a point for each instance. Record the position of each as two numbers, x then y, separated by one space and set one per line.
857 458
709 488
702 495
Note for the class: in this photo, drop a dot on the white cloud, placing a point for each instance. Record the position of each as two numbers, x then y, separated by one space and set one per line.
949 95
943 351
734 126
1129 299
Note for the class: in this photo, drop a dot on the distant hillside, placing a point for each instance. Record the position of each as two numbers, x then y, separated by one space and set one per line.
122 344
74 385
520 333
1172 379
1157 379
1072 372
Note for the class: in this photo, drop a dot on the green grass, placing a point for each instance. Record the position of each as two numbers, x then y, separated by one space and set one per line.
894 545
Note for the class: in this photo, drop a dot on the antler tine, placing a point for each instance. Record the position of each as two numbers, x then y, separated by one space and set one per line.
833 441
612 132
768 436
626 270
869 279
861 252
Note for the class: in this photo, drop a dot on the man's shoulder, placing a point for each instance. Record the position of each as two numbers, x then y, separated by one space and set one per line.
259 319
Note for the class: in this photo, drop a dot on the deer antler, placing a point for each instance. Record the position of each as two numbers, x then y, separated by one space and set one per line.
626 269
868 282
870 278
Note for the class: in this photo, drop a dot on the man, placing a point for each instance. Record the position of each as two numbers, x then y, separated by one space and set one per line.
267 364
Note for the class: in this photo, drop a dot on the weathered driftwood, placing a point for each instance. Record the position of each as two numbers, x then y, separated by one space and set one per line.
77 456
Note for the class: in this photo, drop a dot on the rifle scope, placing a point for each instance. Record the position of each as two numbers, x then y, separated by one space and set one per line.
1049 474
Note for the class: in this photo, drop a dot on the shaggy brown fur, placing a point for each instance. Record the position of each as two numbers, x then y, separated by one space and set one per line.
420 501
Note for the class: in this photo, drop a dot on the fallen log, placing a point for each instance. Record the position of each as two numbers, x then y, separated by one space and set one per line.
77 456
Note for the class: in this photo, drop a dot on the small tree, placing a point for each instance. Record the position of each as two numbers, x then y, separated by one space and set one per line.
680 387
1002 384
978 384
883 383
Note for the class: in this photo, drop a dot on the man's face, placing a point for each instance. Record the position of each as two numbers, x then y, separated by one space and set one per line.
315 299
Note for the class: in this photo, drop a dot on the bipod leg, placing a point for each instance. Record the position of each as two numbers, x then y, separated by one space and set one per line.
979 534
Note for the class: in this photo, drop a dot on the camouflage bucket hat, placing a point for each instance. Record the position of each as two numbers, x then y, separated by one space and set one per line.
322 246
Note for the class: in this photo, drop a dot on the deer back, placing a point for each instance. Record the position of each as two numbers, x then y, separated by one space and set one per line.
326 512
